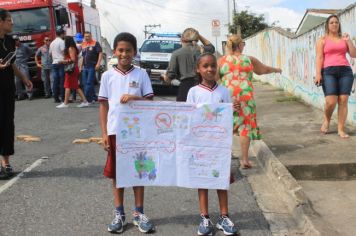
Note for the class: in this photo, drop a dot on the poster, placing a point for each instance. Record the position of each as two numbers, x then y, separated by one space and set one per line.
162 143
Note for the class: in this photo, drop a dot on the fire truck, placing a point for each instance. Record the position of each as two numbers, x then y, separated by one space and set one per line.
36 19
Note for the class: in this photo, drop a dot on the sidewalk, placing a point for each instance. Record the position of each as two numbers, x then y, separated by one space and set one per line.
324 165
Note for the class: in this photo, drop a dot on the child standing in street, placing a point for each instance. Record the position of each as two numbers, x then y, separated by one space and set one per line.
208 91
122 84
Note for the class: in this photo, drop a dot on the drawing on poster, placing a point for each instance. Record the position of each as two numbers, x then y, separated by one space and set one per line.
204 165
166 146
132 128
164 123
210 115
180 121
145 166
215 173
209 132
179 144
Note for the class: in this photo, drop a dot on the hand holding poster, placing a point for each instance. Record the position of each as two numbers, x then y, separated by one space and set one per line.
174 144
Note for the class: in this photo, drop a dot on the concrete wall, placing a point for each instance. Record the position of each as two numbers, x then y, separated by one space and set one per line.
296 57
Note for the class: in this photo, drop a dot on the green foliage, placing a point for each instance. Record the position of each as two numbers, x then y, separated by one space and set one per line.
247 23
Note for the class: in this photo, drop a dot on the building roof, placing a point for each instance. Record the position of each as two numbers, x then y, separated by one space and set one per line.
314 17
324 11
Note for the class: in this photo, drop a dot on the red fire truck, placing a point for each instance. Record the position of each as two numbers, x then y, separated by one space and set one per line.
36 19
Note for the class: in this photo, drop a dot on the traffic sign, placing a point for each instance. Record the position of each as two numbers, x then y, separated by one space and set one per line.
215 23
215 27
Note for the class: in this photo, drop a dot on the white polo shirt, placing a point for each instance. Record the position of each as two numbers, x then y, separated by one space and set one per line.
56 49
115 83
204 94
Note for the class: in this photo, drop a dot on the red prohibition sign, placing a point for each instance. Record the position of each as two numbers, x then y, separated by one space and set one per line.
163 120
215 23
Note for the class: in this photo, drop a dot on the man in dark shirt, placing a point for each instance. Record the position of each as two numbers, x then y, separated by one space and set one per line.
181 67
92 55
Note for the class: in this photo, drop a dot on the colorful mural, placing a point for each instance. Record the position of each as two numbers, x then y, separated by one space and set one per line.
296 57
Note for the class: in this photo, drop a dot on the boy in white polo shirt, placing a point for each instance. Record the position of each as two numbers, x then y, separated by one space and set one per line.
121 84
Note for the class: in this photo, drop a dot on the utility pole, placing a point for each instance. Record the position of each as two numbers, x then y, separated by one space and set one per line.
228 13
148 28
237 27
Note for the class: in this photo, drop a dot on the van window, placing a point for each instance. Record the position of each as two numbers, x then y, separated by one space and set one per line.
163 46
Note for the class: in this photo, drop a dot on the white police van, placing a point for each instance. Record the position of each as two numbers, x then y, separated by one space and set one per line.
155 54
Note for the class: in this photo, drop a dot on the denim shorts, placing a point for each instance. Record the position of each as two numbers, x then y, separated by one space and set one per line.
337 80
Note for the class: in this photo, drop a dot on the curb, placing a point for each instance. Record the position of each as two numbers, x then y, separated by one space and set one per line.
308 220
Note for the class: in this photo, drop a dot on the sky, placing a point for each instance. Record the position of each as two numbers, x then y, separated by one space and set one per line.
176 15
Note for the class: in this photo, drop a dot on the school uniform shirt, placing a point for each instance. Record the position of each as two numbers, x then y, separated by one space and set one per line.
204 94
115 83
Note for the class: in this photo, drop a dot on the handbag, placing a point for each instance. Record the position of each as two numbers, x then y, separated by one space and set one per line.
69 67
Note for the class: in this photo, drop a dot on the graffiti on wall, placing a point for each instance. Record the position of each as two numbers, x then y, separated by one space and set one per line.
297 58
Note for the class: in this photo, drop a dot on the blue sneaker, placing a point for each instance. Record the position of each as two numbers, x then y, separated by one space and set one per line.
205 226
118 223
226 225
143 223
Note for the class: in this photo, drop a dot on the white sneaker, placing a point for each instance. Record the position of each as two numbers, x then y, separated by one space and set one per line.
63 105
83 104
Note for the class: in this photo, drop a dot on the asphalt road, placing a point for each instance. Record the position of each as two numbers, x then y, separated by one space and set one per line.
65 192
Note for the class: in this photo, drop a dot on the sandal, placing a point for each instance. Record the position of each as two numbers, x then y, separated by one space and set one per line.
324 129
245 165
343 135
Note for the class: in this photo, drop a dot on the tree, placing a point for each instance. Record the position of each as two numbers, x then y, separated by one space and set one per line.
247 24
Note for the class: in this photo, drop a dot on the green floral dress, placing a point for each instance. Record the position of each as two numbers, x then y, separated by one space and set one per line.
236 73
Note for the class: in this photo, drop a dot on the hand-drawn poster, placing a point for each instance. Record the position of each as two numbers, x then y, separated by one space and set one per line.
174 144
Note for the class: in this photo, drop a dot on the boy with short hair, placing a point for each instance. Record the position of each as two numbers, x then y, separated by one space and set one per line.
122 84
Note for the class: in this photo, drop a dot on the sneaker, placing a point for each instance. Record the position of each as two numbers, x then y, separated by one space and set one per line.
118 223
205 226
143 223
83 104
6 172
63 105
226 225
3 175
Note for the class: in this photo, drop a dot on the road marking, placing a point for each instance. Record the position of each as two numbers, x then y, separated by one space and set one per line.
17 177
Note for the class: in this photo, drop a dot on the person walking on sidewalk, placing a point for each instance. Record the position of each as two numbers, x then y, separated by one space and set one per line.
7 90
334 73
236 72
92 55
44 61
71 80
208 91
182 64
122 84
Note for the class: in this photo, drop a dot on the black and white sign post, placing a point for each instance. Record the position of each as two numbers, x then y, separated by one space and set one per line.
215 29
